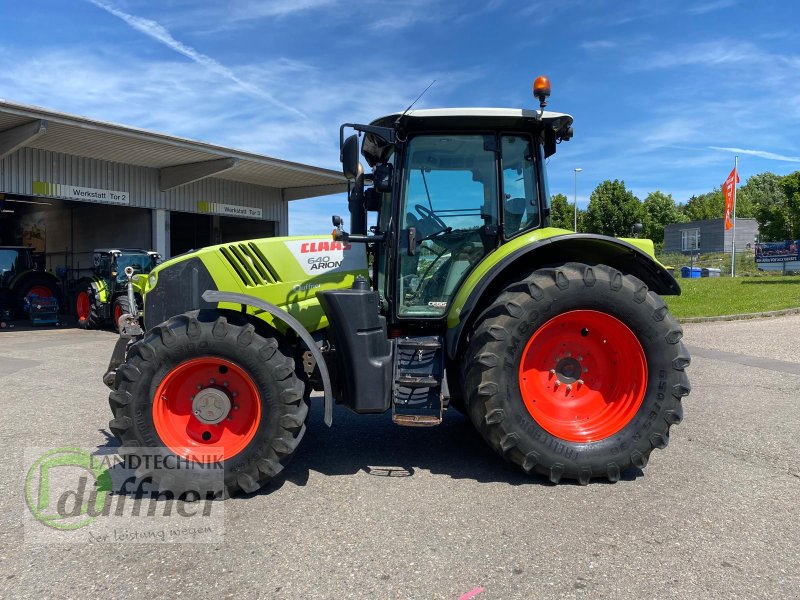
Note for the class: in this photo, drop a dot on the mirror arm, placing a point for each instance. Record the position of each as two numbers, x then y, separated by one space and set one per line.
387 134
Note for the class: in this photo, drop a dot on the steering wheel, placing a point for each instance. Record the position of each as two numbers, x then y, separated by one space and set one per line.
427 213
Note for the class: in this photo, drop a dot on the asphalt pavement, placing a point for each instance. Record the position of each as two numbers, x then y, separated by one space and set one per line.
372 510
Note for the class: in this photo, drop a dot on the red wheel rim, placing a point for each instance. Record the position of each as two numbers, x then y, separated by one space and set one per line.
175 413
583 376
82 306
117 314
40 290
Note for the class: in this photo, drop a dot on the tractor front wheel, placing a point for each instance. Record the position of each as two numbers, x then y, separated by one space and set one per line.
120 307
576 372
208 391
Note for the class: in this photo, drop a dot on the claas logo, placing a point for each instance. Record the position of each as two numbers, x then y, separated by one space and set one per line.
311 247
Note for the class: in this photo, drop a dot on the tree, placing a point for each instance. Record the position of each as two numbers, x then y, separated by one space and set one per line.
791 188
660 210
613 210
562 214
711 205
766 192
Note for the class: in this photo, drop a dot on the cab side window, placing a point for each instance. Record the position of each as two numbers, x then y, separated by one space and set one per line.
520 198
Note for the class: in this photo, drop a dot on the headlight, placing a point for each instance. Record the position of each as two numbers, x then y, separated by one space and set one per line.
152 281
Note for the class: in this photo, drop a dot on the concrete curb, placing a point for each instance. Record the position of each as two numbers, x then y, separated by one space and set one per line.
743 317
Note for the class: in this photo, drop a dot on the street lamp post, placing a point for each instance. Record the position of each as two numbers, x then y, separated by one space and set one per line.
577 170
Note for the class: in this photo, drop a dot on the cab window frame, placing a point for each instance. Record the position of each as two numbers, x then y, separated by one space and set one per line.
537 182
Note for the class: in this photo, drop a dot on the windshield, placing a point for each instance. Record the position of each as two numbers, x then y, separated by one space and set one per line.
13 262
450 199
141 263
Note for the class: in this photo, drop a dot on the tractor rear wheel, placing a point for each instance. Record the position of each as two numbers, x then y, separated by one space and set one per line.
35 285
88 306
199 386
576 372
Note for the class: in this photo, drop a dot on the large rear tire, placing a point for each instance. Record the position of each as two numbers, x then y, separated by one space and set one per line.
35 284
576 372
157 390
88 306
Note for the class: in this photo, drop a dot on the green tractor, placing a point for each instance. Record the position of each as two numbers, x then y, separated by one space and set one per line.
103 297
557 345
20 279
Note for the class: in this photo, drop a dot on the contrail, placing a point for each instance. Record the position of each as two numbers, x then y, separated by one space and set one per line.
159 33
759 153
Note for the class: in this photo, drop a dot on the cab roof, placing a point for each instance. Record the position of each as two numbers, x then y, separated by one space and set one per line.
122 250
376 150
475 117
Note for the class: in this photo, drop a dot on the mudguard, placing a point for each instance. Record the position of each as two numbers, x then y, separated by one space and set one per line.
214 296
586 248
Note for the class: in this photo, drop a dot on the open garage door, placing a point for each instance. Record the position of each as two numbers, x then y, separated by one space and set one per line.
232 229
63 233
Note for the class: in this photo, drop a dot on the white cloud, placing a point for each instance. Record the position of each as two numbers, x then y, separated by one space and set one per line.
759 153
159 33
707 7
600 45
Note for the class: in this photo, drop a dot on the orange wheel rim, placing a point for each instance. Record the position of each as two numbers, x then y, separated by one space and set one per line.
117 314
40 290
583 376
82 306
204 406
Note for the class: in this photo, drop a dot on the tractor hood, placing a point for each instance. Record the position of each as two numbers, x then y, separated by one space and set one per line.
287 272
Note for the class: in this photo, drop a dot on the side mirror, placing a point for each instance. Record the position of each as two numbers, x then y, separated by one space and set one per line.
349 157
637 229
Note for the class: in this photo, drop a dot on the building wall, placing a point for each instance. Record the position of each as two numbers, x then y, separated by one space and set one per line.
713 237
746 232
21 168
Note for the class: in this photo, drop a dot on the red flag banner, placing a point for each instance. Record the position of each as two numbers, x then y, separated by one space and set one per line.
728 191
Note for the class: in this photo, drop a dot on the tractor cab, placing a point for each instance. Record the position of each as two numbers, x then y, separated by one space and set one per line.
111 263
449 186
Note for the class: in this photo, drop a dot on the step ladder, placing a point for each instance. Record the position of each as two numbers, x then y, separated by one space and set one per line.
418 392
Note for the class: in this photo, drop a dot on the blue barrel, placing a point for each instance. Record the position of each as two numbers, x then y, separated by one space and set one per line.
691 272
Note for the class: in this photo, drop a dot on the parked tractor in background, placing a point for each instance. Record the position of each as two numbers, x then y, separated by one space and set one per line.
556 344
103 297
20 279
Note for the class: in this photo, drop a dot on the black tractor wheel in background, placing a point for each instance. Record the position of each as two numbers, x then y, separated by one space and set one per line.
120 307
38 285
576 372
199 383
88 306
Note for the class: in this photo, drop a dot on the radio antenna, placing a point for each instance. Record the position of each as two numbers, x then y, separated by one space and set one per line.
415 101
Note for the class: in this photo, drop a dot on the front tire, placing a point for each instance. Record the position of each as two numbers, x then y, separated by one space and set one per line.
576 372
121 306
263 409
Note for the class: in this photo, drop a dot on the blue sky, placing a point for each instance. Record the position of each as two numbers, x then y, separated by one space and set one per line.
663 93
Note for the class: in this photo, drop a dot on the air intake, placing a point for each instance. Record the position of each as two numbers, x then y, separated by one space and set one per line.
249 263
